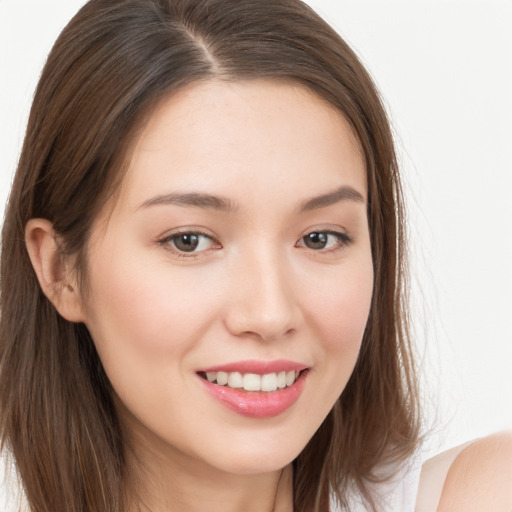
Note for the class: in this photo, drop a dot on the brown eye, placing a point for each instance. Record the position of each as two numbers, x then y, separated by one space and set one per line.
321 240
189 242
186 243
316 240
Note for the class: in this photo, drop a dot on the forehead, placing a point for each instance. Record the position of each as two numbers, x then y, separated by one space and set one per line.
217 134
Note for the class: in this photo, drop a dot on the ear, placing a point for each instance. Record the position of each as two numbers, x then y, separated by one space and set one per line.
55 271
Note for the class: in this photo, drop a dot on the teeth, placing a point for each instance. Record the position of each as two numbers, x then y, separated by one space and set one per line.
269 382
222 378
252 381
235 380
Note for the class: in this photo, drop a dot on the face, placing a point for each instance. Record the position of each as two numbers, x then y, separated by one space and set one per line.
237 250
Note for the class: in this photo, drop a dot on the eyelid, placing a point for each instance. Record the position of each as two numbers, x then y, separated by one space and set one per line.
165 240
342 236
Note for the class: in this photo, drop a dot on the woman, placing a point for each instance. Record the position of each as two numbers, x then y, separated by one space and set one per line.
207 224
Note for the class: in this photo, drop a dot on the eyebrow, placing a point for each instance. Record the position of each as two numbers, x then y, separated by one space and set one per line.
340 194
211 202
194 199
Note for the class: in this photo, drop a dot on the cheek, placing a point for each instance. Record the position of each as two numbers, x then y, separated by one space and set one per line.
147 310
339 313
337 307
346 318
147 324
342 304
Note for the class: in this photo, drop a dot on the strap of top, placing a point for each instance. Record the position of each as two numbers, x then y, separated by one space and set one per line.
432 478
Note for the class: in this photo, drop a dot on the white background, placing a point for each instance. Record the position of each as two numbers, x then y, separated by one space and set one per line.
445 71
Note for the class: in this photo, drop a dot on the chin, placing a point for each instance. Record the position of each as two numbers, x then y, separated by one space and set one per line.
264 456
258 466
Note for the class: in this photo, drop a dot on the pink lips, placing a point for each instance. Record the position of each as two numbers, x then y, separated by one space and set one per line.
257 404
257 367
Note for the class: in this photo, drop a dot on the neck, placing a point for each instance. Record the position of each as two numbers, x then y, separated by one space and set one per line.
161 479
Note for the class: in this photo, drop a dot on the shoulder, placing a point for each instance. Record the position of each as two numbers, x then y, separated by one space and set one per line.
480 477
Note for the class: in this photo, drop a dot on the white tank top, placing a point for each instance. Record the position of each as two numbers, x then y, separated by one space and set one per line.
414 488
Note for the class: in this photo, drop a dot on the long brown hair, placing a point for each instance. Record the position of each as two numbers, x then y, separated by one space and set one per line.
109 67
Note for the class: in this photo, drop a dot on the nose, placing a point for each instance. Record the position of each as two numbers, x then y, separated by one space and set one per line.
263 304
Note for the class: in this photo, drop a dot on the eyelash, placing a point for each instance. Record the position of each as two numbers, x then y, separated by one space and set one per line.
343 240
167 242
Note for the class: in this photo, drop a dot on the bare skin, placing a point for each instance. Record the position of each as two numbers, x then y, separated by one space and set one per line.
154 480
470 478
480 478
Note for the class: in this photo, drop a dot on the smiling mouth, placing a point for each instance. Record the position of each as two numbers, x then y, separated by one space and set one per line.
267 382
251 389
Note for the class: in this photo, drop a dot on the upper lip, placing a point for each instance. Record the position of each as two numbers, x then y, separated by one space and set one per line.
257 367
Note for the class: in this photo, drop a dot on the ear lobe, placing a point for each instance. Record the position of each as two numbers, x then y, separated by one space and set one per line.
55 271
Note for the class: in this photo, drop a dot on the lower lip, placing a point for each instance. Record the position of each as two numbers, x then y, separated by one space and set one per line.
257 404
